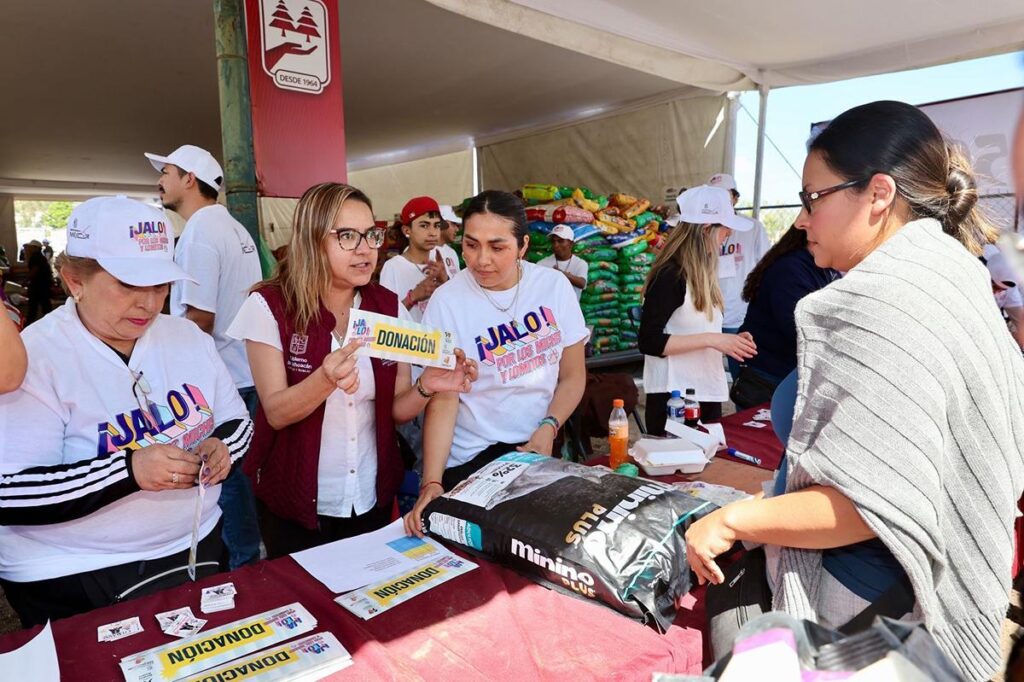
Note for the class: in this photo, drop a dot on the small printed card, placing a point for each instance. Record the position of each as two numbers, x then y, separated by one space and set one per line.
186 626
169 618
755 425
119 630
390 338
763 416
218 598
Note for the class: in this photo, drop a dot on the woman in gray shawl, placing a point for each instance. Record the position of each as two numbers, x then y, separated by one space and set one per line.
905 456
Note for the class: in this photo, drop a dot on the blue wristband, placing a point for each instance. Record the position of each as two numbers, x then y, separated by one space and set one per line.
552 421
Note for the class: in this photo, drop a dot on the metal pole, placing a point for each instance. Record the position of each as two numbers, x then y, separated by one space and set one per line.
762 112
733 107
235 118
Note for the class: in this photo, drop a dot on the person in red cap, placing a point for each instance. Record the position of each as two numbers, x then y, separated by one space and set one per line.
414 274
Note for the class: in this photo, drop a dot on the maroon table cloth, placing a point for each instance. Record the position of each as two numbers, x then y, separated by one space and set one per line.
490 624
760 443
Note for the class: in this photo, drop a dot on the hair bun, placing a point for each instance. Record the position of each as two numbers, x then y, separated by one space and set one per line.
963 195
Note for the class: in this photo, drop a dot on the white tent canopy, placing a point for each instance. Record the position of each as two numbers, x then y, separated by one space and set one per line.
752 44
740 44
425 78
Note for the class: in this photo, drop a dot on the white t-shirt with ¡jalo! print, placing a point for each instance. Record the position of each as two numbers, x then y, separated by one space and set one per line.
518 352
77 403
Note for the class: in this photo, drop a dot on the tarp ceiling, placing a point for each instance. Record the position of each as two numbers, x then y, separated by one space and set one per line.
87 87
742 43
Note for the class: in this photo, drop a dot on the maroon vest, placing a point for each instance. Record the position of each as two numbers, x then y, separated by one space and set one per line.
283 464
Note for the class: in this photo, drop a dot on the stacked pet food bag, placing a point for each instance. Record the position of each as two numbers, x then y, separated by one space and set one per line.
613 234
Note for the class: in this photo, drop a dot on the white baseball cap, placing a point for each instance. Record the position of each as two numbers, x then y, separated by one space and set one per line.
723 180
130 240
563 231
705 205
448 214
192 159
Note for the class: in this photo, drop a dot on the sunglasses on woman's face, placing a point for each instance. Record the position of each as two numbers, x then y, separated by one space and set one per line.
807 198
348 238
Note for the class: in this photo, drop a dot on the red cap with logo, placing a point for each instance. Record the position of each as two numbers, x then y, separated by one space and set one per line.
414 208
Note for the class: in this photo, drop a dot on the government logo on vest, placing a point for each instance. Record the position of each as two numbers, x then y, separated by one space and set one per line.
298 344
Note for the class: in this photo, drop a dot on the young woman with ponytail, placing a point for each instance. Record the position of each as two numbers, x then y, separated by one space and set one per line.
681 318
904 459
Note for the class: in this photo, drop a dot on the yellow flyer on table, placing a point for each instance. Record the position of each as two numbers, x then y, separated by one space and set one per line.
390 338
201 652
373 600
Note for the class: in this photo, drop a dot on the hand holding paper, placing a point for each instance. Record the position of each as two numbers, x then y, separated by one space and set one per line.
340 367
390 338
216 461
457 380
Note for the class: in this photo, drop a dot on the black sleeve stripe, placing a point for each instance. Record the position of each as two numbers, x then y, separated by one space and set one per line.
32 504
28 489
62 496
239 449
241 431
63 472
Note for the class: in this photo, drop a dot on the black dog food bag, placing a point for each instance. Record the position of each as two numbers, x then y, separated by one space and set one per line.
583 530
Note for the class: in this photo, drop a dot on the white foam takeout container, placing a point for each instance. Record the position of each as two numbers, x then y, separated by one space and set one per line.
664 456
688 453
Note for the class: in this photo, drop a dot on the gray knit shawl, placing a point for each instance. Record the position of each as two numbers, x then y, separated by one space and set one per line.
911 402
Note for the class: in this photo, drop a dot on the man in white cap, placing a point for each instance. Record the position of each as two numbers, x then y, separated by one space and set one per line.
739 254
220 255
450 224
562 259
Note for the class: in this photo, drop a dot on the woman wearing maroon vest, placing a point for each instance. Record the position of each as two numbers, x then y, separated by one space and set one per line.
324 460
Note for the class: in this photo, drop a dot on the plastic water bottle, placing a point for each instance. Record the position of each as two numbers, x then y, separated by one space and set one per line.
691 409
675 408
618 435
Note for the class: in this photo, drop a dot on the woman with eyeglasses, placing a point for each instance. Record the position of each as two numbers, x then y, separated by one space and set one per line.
123 414
904 459
325 463
681 319
524 325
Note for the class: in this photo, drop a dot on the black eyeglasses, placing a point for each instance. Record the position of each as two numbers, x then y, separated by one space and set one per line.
806 198
348 239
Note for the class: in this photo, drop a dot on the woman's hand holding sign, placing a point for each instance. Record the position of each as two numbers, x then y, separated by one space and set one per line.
457 380
340 369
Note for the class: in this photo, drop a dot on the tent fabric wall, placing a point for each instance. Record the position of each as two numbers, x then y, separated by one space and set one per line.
448 178
675 144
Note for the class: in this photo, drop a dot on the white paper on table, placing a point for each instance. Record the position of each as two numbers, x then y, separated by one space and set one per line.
34 660
355 562
711 442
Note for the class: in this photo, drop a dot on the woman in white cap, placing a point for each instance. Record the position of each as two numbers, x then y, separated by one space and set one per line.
681 319
125 425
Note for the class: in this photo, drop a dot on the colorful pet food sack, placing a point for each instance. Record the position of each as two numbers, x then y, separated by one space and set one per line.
584 531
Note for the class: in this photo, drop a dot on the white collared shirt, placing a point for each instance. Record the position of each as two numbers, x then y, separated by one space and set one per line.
347 471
